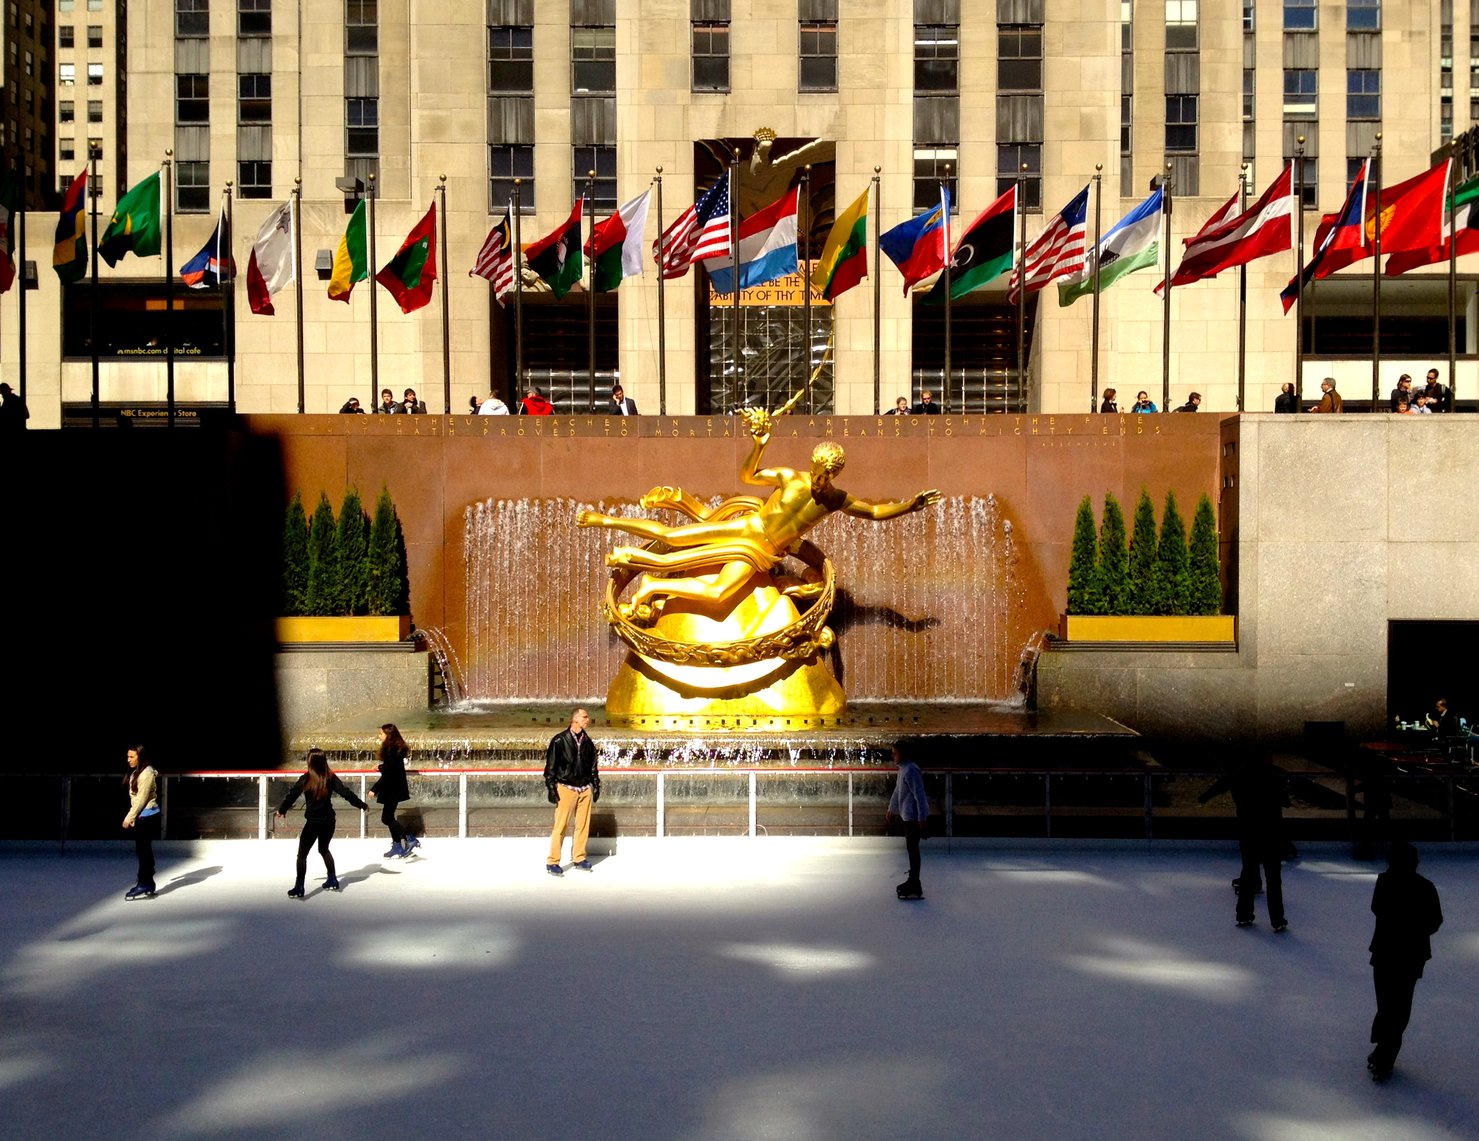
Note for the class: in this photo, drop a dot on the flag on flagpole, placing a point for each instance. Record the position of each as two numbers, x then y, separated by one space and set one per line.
495 262
1230 239
1058 250
616 244
204 269
844 260
767 247
1412 211
410 275
556 256
272 266
701 231
69 255
1340 240
1460 225
134 227
917 246
1133 243
985 251
10 200
352 258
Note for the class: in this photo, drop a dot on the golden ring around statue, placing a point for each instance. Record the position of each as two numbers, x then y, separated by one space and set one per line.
800 640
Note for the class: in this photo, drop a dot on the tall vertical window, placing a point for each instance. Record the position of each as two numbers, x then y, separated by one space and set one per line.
1181 25
1363 15
254 179
1127 94
1019 58
1309 192
1249 91
94 75
66 111
709 37
931 168
94 110
193 186
603 161
253 18
362 127
936 58
94 35
1363 95
192 17
1181 123
818 52
66 36
192 98
1011 158
510 60
66 74
506 163
592 61
1301 15
361 27
254 98
1301 93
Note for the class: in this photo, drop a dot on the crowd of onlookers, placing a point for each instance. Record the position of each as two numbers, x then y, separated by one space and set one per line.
1434 397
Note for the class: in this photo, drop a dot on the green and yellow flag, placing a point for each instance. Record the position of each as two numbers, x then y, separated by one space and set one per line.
134 227
844 260
351 259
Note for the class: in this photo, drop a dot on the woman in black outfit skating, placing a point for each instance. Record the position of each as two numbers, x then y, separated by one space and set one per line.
317 785
391 790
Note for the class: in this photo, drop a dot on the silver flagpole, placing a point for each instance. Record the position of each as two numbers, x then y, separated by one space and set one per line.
803 213
877 294
446 300
297 208
590 308
1242 294
1166 187
662 331
169 285
1299 275
517 394
1094 322
226 269
1376 277
945 222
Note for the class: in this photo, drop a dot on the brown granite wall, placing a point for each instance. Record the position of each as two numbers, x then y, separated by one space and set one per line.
1036 467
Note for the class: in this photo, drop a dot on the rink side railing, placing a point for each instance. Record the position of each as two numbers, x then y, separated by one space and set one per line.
1125 804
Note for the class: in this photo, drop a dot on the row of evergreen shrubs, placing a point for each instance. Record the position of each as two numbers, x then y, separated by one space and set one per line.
1155 572
354 566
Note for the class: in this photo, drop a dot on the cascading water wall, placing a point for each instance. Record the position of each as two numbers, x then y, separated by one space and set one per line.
931 605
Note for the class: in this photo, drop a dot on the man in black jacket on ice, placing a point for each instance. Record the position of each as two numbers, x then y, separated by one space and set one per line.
574 784
1407 914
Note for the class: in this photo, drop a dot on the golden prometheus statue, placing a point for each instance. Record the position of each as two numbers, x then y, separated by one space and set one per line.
717 638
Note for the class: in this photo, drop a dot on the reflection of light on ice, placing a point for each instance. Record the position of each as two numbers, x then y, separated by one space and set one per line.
791 958
255 1097
49 967
1048 875
1133 961
457 946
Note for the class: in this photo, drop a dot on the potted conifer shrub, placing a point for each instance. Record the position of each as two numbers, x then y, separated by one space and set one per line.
343 581
1159 590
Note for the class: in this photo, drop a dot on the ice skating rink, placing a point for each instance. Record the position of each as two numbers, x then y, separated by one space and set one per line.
714 988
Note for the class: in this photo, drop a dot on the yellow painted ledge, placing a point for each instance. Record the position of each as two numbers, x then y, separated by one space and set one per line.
1148 628
364 628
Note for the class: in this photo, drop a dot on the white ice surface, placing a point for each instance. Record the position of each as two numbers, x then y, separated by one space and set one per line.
708 989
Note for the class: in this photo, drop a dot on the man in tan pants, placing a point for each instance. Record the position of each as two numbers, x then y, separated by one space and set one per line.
573 782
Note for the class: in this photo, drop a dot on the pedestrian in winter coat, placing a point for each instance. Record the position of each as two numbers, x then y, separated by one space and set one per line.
142 818
1407 914
910 804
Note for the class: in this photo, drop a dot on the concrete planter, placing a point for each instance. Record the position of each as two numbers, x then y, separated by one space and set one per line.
1142 629
367 628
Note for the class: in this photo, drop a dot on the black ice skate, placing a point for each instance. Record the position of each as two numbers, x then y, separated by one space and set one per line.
911 889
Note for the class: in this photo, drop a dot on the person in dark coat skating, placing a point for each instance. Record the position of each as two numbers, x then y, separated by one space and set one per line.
1260 794
391 790
1407 914
318 787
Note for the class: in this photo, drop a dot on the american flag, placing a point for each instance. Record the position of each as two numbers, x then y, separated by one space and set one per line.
701 231
496 259
1059 249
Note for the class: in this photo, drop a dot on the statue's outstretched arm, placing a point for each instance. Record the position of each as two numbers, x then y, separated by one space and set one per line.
757 420
863 509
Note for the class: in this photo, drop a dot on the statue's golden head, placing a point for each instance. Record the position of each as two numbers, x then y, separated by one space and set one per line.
828 457
764 135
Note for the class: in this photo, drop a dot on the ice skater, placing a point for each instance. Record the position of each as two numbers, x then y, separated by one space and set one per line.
1407 914
391 790
910 804
573 781
143 819
1260 793
318 786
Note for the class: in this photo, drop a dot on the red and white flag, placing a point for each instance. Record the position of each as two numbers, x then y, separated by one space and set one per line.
1230 239
274 262
1059 249
495 262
